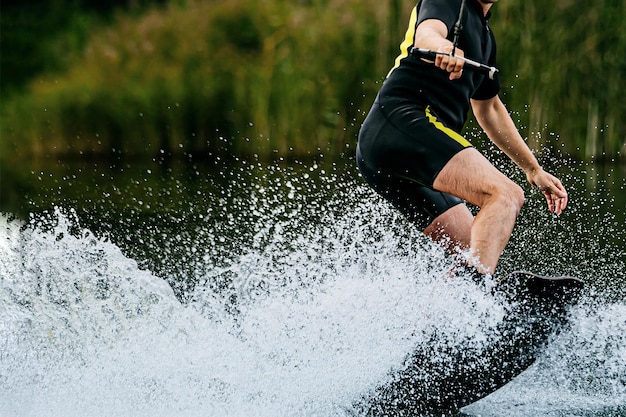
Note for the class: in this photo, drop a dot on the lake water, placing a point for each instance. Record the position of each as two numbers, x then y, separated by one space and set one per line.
287 288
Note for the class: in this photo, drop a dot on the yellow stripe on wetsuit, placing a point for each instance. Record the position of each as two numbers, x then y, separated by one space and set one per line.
405 47
409 39
451 133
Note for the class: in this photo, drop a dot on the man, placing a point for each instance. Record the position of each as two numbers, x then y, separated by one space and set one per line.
410 150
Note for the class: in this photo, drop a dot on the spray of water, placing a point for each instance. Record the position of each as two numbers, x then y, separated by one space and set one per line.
308 312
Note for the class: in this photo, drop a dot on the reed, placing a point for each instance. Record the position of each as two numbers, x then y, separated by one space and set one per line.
276 77
565 68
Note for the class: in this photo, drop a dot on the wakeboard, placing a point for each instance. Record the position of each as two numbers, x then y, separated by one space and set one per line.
442 376
520 286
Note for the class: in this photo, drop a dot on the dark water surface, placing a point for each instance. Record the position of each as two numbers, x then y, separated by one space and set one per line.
295 290
134 202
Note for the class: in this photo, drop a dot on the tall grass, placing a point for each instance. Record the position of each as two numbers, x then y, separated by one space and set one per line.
565 65
241 76
278 76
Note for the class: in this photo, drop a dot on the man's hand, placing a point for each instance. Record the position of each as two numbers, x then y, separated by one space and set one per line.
552 189
450 63
431 34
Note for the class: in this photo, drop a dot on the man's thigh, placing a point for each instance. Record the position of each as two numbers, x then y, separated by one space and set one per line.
404 141
471 177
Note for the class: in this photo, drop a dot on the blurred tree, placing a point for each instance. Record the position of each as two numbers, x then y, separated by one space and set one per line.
35 34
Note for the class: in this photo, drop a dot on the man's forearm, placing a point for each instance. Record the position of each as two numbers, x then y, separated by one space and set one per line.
495 120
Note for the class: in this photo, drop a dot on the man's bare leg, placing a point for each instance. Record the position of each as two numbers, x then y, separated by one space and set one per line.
470 176
452 229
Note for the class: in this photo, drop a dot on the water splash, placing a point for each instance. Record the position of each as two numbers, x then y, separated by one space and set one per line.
302 319
583 372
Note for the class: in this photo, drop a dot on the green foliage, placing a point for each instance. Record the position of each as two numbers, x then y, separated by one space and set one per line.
564 62
55 30
42 36
241 76
278 76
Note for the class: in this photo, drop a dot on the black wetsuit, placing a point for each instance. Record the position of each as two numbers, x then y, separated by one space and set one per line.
411 131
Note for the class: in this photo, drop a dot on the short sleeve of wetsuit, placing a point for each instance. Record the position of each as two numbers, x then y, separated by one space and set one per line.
447 11
444 10
489 88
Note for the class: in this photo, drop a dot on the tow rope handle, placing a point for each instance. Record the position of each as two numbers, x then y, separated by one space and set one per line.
469 64
473 65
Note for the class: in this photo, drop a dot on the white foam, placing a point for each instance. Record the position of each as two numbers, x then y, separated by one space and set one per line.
319 320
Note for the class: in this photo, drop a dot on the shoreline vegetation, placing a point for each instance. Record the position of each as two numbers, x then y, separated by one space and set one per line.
279 77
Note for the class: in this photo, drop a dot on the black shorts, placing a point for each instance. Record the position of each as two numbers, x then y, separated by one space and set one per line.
401 149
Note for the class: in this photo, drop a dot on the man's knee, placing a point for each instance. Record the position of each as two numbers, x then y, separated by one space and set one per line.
512 195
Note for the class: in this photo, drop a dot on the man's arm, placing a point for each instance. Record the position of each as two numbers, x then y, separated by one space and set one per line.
495 120
431 34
